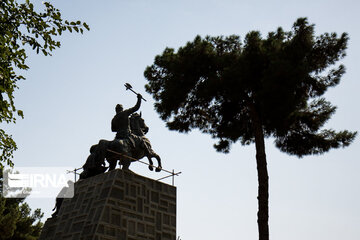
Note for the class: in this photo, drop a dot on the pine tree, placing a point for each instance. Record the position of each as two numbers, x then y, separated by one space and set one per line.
252 90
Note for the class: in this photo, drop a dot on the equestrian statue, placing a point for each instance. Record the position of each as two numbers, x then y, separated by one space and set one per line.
130 143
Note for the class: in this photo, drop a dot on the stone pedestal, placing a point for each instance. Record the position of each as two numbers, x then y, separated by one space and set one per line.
118 205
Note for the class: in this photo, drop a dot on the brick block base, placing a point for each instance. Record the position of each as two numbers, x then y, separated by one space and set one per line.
118 205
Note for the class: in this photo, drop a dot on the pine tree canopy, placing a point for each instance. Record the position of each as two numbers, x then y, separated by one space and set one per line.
221 85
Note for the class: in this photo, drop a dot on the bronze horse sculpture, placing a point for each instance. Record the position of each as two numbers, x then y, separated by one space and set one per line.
124 150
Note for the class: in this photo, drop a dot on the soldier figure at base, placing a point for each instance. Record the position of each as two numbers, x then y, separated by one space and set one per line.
64 193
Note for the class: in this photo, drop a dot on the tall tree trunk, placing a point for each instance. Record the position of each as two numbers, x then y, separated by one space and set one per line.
263 178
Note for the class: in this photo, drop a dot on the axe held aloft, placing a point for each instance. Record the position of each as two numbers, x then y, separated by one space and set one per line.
129 87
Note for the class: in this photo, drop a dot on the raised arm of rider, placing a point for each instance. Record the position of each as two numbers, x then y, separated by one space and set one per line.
136 107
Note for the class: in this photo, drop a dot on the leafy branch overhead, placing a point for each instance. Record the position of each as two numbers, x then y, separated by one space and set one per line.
217 84
22 27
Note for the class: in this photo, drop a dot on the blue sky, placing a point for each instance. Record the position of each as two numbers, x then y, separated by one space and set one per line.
68 101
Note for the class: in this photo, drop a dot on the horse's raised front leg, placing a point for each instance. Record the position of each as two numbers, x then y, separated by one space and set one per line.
159 167
151 164
152 154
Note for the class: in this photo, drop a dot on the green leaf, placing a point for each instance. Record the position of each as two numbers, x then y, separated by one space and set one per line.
86 26
20 113
35 29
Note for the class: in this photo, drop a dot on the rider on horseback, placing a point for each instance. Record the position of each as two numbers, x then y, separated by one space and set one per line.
126 147
121 123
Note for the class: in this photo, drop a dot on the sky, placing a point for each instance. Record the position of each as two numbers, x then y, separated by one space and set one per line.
69 99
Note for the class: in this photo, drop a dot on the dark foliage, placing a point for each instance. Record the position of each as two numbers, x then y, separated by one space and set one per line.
17 222
247 91
214 83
